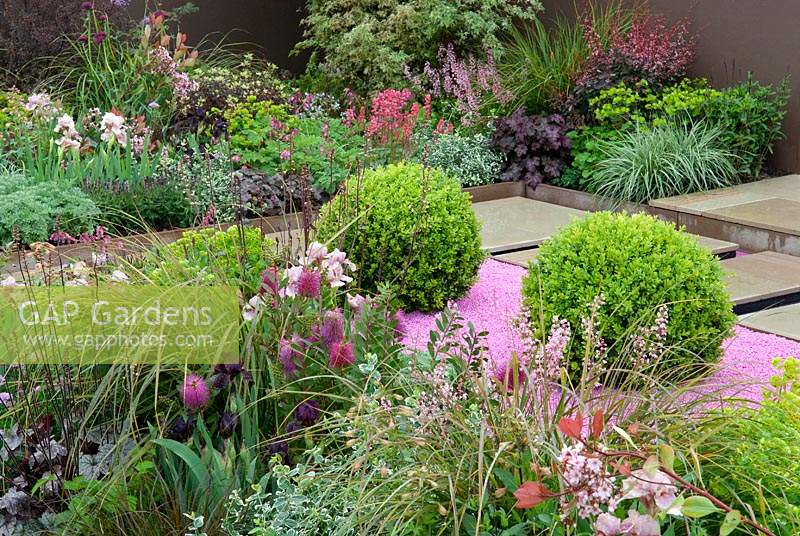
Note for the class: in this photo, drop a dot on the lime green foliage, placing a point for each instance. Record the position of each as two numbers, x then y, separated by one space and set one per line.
261 131
660 161
366 44
236 256
35 208
636 263
638 103
763 446
409 226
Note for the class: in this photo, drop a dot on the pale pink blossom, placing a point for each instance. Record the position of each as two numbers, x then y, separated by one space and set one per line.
607 525
655 489
356 302
9 282
293 276
113 127
315 254
251 308
638 524
592 487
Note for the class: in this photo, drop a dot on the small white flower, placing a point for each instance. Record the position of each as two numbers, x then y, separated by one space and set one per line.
154 105
119 276
250 310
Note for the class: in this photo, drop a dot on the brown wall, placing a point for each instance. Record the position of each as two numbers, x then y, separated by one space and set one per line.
737 36
270 26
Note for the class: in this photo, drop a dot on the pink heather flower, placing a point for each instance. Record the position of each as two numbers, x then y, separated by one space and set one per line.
331 329
308 284
195 392
315 254
290 354
607 525
655 489
286 154
341 355
587 479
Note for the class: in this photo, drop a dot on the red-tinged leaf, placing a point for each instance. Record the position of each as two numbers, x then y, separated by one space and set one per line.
529 494
598 423
571 427
622 468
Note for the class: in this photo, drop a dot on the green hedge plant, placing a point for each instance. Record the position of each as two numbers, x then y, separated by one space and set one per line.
636 263
409 226
236 256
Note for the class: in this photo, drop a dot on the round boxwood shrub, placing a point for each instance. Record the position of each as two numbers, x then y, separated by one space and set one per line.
636 263
408 226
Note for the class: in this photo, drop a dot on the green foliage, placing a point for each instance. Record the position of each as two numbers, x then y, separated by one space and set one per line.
366 45
142 207
409 226
750 117
34 208
636 263
763 445
661 161
267 137
293 509
470 159
540 65
236 256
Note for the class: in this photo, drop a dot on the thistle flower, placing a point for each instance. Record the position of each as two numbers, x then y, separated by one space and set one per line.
290 354
99 37
341 355
308 284
87 6
195 393
226 424
308 412
181 429
331 329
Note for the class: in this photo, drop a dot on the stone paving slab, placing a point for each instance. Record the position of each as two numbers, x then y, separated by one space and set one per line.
770 204
775 214
762 276
519 222
783 321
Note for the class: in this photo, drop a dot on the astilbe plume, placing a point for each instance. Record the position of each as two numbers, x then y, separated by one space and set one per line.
469 81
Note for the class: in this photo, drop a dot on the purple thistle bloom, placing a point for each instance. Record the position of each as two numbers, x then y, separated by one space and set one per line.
86 6
294 426
308 412
290 354
341 355
99 37
195 393
332 328
181 429
308 285
227 423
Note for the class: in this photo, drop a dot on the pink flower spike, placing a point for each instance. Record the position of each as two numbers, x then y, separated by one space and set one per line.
308 285
341 355
195 393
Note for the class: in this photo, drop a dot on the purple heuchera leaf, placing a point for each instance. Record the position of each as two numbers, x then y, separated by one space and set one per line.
536 147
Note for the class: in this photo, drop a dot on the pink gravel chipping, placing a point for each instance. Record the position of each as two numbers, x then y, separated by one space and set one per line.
495 299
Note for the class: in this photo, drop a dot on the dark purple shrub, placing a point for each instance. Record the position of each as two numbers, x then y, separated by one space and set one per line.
536 147
34 30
